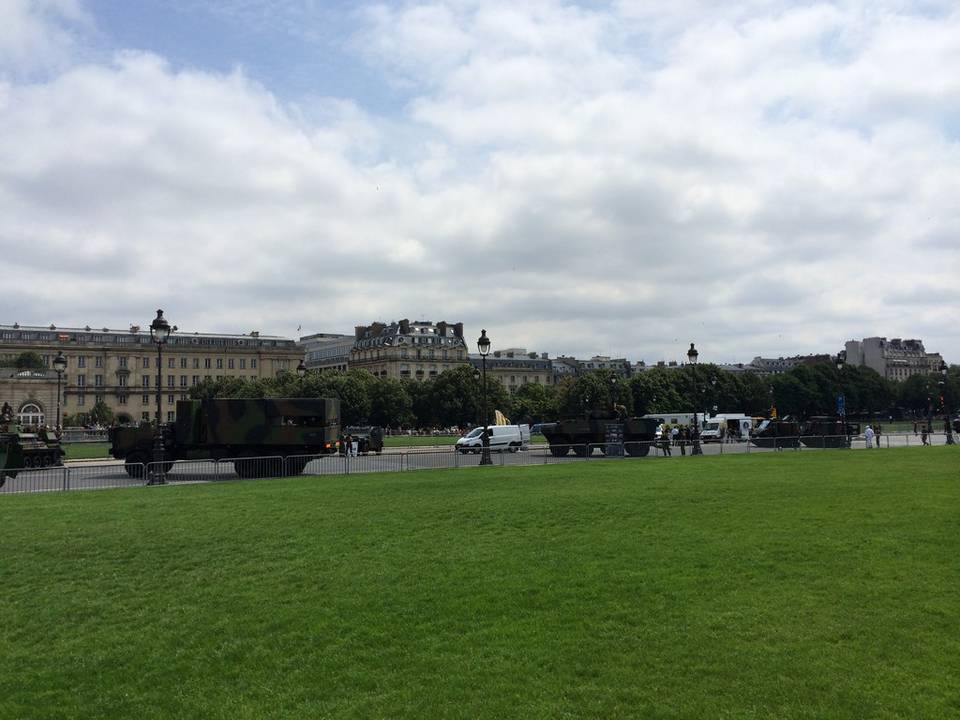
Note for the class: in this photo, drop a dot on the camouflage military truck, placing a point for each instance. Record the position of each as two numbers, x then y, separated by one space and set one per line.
237 429
21 450
827 432
369 438
776 434
595 428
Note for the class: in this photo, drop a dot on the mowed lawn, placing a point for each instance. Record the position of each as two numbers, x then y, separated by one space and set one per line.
788 585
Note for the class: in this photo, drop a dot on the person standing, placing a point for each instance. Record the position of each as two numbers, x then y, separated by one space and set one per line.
877 432
924 440
868 434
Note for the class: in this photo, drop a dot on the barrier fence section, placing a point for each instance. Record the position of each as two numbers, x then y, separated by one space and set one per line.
95 476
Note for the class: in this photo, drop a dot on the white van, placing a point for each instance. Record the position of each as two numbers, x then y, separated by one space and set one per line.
502 437
730 426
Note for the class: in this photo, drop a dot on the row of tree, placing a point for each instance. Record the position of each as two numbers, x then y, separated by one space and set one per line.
455 398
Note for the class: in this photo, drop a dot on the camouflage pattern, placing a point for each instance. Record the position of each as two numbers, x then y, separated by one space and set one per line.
255 427
19 450
828 431
776 433
591 428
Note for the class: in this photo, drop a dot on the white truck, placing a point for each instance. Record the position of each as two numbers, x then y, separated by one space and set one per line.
502 437
732 426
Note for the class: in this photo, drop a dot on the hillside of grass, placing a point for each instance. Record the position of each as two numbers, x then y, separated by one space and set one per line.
767 586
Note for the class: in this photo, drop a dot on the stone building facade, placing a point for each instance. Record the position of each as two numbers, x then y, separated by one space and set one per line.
894 359
406 350
515 367
119 367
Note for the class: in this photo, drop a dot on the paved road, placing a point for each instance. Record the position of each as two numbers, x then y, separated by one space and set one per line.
111 474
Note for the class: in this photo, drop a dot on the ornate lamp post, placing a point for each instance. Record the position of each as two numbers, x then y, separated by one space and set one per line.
59 364
948 426
483 345
692 356
301 374
159 334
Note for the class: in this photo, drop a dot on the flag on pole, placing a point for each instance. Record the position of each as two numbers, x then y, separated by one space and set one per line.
499 418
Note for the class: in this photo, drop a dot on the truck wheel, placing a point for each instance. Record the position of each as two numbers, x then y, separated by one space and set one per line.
514 447
135 464
637 449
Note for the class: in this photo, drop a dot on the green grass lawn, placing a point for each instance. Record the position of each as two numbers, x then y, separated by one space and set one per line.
789 585
86 450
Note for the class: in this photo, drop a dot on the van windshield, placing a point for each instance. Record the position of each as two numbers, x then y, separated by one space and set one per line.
474 433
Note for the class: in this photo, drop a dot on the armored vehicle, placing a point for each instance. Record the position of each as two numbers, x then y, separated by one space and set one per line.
237 429
828 432
19 450
600 429
369 438
776 434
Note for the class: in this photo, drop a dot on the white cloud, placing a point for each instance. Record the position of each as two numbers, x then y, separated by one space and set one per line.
38 35
756 177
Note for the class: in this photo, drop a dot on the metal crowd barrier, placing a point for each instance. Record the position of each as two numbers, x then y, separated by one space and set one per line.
93 476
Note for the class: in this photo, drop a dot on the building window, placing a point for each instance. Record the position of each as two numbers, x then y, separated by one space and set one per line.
243 363
122 399
98 361
195 380
171 362
253 363
81 380
230 364
145 400
80 399
183 363
196 363
206 363
171 380
170 415
122 380
170 400
183 381
98 380
31 414
219 363
122 360
145 380
145 363
144 417
82 361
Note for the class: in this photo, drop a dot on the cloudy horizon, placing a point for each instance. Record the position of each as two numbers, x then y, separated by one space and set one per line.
594 178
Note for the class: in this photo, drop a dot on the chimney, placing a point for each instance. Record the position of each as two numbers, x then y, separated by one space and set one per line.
442 329
458 330
404 327
358 331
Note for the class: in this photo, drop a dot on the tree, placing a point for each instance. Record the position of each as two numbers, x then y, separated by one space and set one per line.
594 392
100 414
390 405
533 403
29 361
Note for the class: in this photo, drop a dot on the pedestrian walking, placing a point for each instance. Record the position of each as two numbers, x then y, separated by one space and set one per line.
684 435
665 443
924 439
877 435
914 428
868 434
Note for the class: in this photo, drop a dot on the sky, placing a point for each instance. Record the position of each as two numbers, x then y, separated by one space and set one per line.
617 178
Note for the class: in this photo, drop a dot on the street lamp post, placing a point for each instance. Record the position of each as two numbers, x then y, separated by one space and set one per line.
948 426
301 374
59 364
159 334
483 345
692 356
841 400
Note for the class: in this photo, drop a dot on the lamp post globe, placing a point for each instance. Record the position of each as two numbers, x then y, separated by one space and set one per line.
483 347
159 335
59 364
692 356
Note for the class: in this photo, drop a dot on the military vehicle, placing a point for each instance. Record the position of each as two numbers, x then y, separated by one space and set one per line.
827 432
22 450
369 438
776 434
598 428
238 430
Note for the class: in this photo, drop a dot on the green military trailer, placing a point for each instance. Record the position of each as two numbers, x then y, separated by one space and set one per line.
238 430
21 450
596 430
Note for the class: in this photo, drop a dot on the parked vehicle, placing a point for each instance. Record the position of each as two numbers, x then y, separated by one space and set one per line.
237 429
369 438
828 432
726 426
594 429
22 450
502 437
776 434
